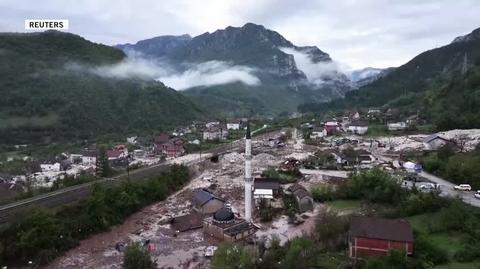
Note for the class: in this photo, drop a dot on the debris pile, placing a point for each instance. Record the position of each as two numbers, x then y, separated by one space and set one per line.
264 160
232 158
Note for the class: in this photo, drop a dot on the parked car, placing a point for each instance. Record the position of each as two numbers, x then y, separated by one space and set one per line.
462 187
427 186
210 251
477 194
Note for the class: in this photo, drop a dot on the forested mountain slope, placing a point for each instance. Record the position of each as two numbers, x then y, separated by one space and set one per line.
49 92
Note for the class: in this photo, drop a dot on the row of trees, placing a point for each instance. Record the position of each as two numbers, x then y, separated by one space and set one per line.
41 235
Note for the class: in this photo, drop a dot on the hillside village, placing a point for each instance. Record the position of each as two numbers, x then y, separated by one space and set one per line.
135 152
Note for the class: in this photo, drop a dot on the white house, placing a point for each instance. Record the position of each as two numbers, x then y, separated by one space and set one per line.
233 125
138 153
50 167
331 127
89 160
132 140
76 158
397 126
215 132
350 116
318 132
358 128
212 124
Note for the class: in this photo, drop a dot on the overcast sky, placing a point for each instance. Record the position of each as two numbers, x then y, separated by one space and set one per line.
378 33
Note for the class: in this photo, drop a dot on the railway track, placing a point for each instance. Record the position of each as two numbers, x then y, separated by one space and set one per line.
76 193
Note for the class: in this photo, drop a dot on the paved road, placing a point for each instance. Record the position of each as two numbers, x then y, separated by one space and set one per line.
326 173
76 193
446 185
447 189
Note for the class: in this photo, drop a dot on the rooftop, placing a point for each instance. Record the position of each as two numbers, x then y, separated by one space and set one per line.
202 196
379 228
266 183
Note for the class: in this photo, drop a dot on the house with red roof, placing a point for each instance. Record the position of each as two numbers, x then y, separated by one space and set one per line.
372 236
116 154
172 147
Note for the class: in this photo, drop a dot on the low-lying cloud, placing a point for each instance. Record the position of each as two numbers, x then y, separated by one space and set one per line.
192 75
316 73
135 67
209 74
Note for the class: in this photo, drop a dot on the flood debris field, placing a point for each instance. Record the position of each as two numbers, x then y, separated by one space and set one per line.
186 249
224 177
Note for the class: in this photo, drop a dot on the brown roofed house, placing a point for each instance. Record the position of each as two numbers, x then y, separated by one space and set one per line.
371 236
187 222
205 202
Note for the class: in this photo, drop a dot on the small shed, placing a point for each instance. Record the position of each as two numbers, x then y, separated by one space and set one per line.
272 185
303 197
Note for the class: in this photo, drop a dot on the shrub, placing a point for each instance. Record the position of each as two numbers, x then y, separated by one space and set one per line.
331 230
428 252
374 185
137 257
468 253
325 193
230 255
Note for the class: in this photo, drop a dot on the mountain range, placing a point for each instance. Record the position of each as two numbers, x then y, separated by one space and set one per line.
59 86
285 75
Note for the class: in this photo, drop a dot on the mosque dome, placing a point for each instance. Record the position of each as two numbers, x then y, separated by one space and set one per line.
224 215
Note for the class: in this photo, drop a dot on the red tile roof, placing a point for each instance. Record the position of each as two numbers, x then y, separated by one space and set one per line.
113 153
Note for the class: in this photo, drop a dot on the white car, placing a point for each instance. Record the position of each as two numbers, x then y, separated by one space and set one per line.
462 187
427 186
477 194
210 251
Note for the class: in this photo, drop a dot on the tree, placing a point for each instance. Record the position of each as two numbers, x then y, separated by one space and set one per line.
331 229
394 260
103 167
461 141
137 257
232 256
301 253
265 210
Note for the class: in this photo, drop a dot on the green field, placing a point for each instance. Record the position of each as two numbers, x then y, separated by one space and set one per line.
344 204
450 242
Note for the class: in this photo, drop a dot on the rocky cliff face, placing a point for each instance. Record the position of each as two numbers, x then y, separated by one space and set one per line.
158 46
276 62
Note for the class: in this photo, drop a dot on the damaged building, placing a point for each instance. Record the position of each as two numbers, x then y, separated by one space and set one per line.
224 226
